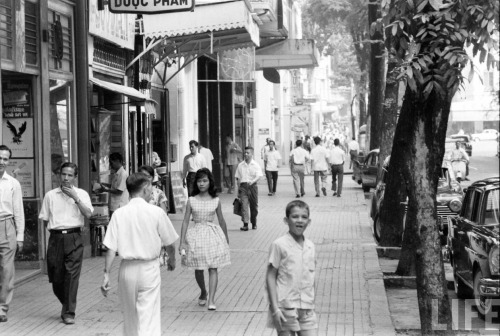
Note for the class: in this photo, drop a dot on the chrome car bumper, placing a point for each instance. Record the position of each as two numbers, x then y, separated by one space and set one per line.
489 287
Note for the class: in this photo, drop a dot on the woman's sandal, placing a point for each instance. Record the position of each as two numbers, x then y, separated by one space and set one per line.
212 307
203 302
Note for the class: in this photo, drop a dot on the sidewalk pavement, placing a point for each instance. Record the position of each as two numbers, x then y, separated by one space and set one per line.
350 295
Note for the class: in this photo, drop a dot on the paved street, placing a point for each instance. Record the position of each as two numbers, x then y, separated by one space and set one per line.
350 300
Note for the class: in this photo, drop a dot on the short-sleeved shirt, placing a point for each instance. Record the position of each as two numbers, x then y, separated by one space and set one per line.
353 145
207 154
296 266
138 230
192 163
272 158
300 155
11 203
247 172
319 155
337 156
158 197
119 182
61 211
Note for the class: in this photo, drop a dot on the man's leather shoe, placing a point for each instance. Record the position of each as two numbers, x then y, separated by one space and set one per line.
302 195
68 320
298 196
254 227
3 318
324 191
244 228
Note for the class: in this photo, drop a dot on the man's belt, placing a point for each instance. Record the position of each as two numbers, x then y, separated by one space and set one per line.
5 219
66 231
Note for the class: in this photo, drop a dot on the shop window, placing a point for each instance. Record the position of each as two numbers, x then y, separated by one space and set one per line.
31 33
60 107
61 42
6 29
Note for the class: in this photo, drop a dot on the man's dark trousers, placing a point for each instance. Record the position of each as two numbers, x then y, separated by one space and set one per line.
64 264
337 169
272 180
249 197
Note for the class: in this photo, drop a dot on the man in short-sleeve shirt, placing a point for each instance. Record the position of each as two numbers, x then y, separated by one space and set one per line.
138 231
64 210
319 165
118 190
247 175
271 161
298 159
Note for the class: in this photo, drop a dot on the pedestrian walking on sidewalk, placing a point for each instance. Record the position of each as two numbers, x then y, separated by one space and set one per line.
192 162
232 160
271 163
353 148
298 160
118 194
158 197
11 230
205 244
290 277
337 159
139 232
319 165
248 174
207 154
64 210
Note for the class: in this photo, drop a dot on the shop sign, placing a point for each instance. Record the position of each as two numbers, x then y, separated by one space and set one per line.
24 171
116 28
150 6
16 99
17 134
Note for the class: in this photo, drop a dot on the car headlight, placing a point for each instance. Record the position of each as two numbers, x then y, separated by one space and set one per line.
455 205
494 260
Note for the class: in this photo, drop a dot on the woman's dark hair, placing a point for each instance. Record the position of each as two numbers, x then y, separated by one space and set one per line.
211 188
135 182
149 169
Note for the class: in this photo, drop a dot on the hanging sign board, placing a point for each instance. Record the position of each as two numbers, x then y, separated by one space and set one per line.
150 6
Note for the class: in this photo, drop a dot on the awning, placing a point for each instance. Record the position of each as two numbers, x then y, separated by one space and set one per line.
209 28
287 54
121 89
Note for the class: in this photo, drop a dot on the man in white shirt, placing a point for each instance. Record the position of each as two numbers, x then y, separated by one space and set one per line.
138 231
118 194
247 175
264 150
319 166
271 162
337 159
192 162
353 148
64 210
11 230
207 154
298 159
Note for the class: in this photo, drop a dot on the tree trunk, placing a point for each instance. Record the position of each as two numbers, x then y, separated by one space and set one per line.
395 191
422 164
377 75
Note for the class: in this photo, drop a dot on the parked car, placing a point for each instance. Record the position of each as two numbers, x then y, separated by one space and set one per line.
464 139
448 200
487 134
365 170
473 245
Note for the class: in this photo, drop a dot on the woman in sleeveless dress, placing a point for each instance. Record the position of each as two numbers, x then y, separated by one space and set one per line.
205 244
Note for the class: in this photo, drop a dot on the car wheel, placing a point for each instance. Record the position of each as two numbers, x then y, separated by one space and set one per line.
377 229
461 289
483 304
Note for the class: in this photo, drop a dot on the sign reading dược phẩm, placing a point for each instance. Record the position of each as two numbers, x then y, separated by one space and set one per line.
150 6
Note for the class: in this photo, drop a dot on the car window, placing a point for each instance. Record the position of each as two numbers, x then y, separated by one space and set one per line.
491 213
471 205
374 159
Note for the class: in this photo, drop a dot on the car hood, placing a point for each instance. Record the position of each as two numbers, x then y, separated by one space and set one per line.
491 233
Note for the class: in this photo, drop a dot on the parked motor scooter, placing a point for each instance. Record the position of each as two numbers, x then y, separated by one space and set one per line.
459 168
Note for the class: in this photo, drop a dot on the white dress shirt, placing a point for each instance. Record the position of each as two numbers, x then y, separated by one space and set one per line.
207 154
272 157
139 230
337 156
248 172
11 203
353 145
119 182
300 155
192 163
61 211
319 155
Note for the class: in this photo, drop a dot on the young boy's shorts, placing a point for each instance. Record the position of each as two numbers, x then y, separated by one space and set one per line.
296 319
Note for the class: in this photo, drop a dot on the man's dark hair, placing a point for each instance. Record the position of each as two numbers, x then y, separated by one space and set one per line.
298 204
136 181
212 191
149 169
5 148
116 157
249 147
336 142
317 140
69 165
298 143
193 142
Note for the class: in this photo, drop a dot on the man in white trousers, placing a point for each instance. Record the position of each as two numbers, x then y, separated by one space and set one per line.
138 231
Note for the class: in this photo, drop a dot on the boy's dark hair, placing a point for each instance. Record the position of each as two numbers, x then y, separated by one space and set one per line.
211 188
149 169
298 143
116 157
298 204
5 148
135 182
193 142
317 140
69 165
336 142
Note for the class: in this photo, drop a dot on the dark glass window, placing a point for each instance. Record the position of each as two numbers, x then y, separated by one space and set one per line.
6 29
31 33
